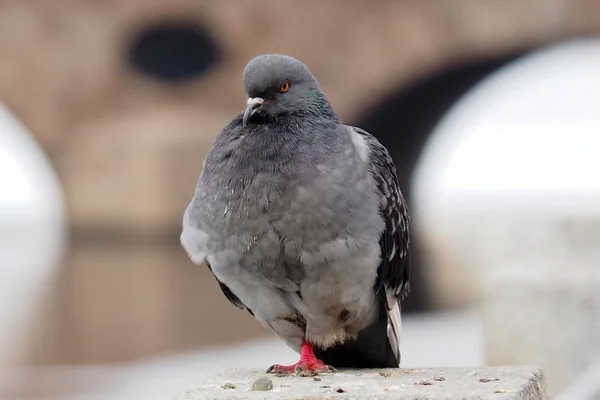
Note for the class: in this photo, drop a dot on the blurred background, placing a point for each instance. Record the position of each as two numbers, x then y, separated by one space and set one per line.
489 108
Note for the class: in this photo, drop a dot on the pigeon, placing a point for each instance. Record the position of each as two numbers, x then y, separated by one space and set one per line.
301 221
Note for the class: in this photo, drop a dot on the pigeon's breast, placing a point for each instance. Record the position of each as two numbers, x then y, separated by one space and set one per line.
329 216
282 198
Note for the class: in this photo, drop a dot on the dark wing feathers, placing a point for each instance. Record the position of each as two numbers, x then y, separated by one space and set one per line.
394 270
229 294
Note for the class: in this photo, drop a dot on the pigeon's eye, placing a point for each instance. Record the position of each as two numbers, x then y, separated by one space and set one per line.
285 87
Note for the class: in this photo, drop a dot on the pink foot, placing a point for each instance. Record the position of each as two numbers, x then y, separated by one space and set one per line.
308 365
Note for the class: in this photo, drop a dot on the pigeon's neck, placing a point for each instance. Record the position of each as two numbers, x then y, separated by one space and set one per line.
319 107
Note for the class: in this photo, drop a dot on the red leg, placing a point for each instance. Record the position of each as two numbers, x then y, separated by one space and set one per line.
308 364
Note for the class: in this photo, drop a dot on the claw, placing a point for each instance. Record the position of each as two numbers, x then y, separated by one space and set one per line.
301 368
308 365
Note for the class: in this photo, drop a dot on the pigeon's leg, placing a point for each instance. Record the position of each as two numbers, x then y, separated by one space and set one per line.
308 365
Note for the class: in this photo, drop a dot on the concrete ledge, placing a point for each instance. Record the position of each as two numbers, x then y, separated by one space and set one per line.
497 383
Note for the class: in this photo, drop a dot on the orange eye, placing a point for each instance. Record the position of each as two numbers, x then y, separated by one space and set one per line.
285 87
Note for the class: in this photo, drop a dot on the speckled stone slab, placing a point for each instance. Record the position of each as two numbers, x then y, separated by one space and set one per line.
482 383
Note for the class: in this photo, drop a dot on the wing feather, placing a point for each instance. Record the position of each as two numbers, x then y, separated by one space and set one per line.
229 294
393 277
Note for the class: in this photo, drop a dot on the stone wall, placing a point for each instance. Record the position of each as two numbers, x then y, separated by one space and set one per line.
111 130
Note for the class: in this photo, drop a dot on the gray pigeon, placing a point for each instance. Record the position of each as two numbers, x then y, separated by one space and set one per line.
301 221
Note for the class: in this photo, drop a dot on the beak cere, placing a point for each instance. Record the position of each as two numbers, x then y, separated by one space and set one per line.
253 104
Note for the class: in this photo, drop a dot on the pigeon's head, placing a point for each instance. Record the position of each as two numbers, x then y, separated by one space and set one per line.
277 85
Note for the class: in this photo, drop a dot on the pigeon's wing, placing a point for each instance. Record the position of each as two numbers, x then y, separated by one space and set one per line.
394 271
193 240
229 294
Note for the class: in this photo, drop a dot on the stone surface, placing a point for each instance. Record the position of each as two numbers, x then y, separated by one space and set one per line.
499 383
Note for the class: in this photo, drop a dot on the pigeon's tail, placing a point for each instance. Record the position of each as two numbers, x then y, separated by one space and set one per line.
394 326
373 348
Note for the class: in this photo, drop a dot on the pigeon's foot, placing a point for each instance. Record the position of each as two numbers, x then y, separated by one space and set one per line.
302 368
309 364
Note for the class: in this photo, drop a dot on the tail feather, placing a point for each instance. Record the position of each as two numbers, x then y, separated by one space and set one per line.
394 326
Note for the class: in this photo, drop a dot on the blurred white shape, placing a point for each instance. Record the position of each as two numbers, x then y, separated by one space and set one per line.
525 141
507 193
32 235
528 131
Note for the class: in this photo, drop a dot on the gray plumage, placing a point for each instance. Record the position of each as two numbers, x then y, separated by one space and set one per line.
300 217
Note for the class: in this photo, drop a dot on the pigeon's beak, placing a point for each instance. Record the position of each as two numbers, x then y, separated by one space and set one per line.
253 104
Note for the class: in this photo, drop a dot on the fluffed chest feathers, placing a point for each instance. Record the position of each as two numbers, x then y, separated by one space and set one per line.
296 206
315 191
